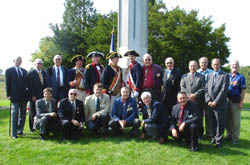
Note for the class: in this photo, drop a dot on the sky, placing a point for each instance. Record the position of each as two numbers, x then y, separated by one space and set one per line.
24 23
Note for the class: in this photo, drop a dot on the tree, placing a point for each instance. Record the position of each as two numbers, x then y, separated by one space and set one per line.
246 72
181 35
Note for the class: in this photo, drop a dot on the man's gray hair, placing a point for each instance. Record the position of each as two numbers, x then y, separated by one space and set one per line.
145 94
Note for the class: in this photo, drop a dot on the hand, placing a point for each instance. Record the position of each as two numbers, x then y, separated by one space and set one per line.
213 104
93 117
9 97
123 123
136 94
182 126
33 98
53 114
209 103
75 122
240 105
192 96
174 133
142 123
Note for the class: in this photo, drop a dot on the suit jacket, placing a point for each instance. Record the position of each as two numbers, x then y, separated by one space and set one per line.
90 107
16 87
191 115
35 85
65 111
41 107
137 75
195 86
130 110
52 81
171 87
217 90
158 115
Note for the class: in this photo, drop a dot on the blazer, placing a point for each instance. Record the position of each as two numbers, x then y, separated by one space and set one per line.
171 87
217 90
35 85
137 75
41 108
65 111
191 115
131 111
195 86
90 107
158 115
52 82
16 87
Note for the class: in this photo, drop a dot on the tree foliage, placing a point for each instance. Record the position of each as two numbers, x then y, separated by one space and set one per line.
246 72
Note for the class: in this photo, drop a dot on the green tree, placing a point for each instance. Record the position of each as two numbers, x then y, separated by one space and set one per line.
246 72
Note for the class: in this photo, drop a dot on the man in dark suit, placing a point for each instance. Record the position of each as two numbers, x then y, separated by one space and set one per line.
17 93
93 71
37 82
185 121
152 77
71 115
58 79
46 119
124 113
216 98
170 85
134 74
155 120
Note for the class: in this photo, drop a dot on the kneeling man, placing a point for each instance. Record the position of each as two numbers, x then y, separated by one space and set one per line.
185 121
124 113
71 114
155 120
97 110
46 118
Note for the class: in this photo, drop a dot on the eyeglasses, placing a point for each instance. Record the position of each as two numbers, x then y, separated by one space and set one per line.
147 59
39 63
74 94
169 63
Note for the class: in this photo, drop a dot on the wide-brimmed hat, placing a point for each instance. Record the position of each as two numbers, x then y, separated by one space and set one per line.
131 52
95 54
76 58
112 55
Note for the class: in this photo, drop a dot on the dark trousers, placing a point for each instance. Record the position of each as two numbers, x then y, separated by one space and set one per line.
48 124
116 127
100 121
32 114
70 131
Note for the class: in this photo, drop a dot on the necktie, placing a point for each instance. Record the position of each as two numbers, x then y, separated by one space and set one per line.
215 76
124 110
19 72
47 107
73 110
40 76
58 77
192 76
181 116
98 104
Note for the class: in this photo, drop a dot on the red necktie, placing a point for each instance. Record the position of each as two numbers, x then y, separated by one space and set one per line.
181 116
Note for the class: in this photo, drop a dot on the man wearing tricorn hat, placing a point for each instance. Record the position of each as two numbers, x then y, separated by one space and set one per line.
112 77
134 73
77 76
93 71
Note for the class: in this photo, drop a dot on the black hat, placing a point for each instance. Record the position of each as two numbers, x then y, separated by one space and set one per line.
131 52
112 55
95 54
76 58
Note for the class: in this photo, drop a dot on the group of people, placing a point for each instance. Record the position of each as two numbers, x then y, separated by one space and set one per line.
64 100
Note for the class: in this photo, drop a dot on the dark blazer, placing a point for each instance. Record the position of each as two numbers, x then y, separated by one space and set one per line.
16 87
159 117
35 85
52 82
130 110
65 111
41 107
217 91
191 115
91 77
171 87
137 75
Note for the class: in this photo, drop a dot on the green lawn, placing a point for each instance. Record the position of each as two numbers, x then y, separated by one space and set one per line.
116 150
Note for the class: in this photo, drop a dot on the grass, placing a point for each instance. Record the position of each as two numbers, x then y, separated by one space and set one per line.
116 150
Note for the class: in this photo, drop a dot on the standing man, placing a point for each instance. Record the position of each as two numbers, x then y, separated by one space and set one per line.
93 71
237 88
17 92
37 79
216 98
58 79
203 62
46 119
77 77
134 74
170 85
71 115
112 77
152 77
97 110
125 113
155 121
185 121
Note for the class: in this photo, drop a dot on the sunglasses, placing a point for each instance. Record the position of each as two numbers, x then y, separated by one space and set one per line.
73 94
169 63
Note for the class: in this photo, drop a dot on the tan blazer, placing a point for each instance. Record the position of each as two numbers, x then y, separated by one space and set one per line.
90 107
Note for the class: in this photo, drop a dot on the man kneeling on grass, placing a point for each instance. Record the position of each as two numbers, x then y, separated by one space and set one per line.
46 119
71 114
124 113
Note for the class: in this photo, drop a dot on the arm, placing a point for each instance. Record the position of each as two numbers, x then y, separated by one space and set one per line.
183 86
222 95
106 108
155 115
200 92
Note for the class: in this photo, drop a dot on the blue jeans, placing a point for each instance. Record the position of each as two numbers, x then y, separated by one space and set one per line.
18 115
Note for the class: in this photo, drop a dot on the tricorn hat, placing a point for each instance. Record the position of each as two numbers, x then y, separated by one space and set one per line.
112 55
95 54
76 58
131 52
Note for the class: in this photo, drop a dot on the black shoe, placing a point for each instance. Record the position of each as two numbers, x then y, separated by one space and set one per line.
218 145
42 137
194 149
162 140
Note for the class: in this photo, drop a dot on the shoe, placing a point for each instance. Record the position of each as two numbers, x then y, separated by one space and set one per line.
194 149
229 138
142 136
213 141
42 137
14 137
162 140
21 134
218 145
